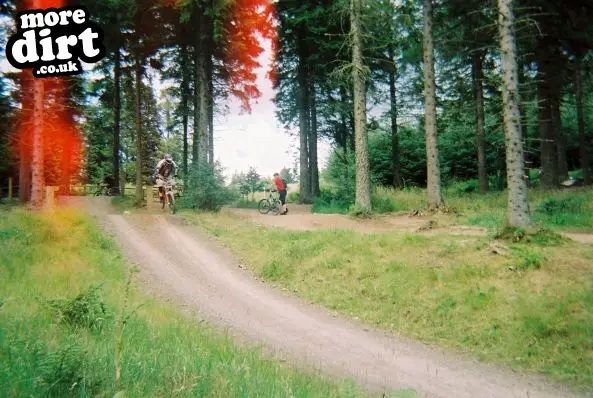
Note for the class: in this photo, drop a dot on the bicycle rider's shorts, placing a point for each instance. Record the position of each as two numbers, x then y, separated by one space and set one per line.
160 182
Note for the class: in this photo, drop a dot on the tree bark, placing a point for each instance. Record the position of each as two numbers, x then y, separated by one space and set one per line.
517 205
202 84
548 154
210 79
478 78
435 198
25 140
583 144
196 91
304 124
395 155
116 115
313 162
363 181
185 93
38 178
139 148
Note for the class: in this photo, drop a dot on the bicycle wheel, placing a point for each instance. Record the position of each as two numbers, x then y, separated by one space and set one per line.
276 207
264 206
172 208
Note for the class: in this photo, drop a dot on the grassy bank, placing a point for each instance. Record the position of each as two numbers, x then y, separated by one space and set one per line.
530 307
62 299
561 209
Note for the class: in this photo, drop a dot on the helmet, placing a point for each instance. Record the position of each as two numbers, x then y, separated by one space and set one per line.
168 157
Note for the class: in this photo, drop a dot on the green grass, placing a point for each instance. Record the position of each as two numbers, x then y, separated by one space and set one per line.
62 296
558 209
531 309
245 204
122 203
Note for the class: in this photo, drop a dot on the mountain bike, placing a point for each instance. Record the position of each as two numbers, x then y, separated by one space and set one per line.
168 198
271 203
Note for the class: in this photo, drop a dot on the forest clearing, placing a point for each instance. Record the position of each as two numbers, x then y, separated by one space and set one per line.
342 198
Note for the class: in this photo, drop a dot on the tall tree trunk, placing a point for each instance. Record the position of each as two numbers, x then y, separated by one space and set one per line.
435 198
38 178
478 78
196 92
395 155
363 180
116 115
583 144
518 205
548 154
203 134
185 94
139 144
313 162
210 79
25 140
304 124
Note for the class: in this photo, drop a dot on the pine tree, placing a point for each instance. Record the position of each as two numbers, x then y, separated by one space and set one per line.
518 204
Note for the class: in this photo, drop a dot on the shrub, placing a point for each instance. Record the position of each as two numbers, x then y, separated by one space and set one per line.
205 189
293 197
86 310
383 204
554 206
61 370
460 188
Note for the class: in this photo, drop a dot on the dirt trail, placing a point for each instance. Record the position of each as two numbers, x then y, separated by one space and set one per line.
302 219
193 271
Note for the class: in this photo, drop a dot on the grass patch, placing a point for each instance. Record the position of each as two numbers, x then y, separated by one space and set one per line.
245 204
557 209
59 335
123 203
451 290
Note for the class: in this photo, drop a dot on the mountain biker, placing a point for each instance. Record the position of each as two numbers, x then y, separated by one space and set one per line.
165 170
280 185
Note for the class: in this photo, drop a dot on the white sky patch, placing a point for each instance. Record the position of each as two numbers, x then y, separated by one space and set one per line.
257 139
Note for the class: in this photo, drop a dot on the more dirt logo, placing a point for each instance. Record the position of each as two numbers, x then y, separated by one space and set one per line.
54 41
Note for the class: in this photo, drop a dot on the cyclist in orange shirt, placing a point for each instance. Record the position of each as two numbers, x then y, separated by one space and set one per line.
281 188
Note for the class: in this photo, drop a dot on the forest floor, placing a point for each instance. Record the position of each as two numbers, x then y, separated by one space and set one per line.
300 218
337 270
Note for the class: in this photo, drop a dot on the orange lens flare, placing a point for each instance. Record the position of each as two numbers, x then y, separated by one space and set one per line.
62 143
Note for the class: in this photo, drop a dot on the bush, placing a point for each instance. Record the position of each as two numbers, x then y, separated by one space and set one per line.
293 197
205 189
245 204
337 200
87 310
61 370
383 204
460 188
554 206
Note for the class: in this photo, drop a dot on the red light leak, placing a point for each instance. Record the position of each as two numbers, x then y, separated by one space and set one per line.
62 144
